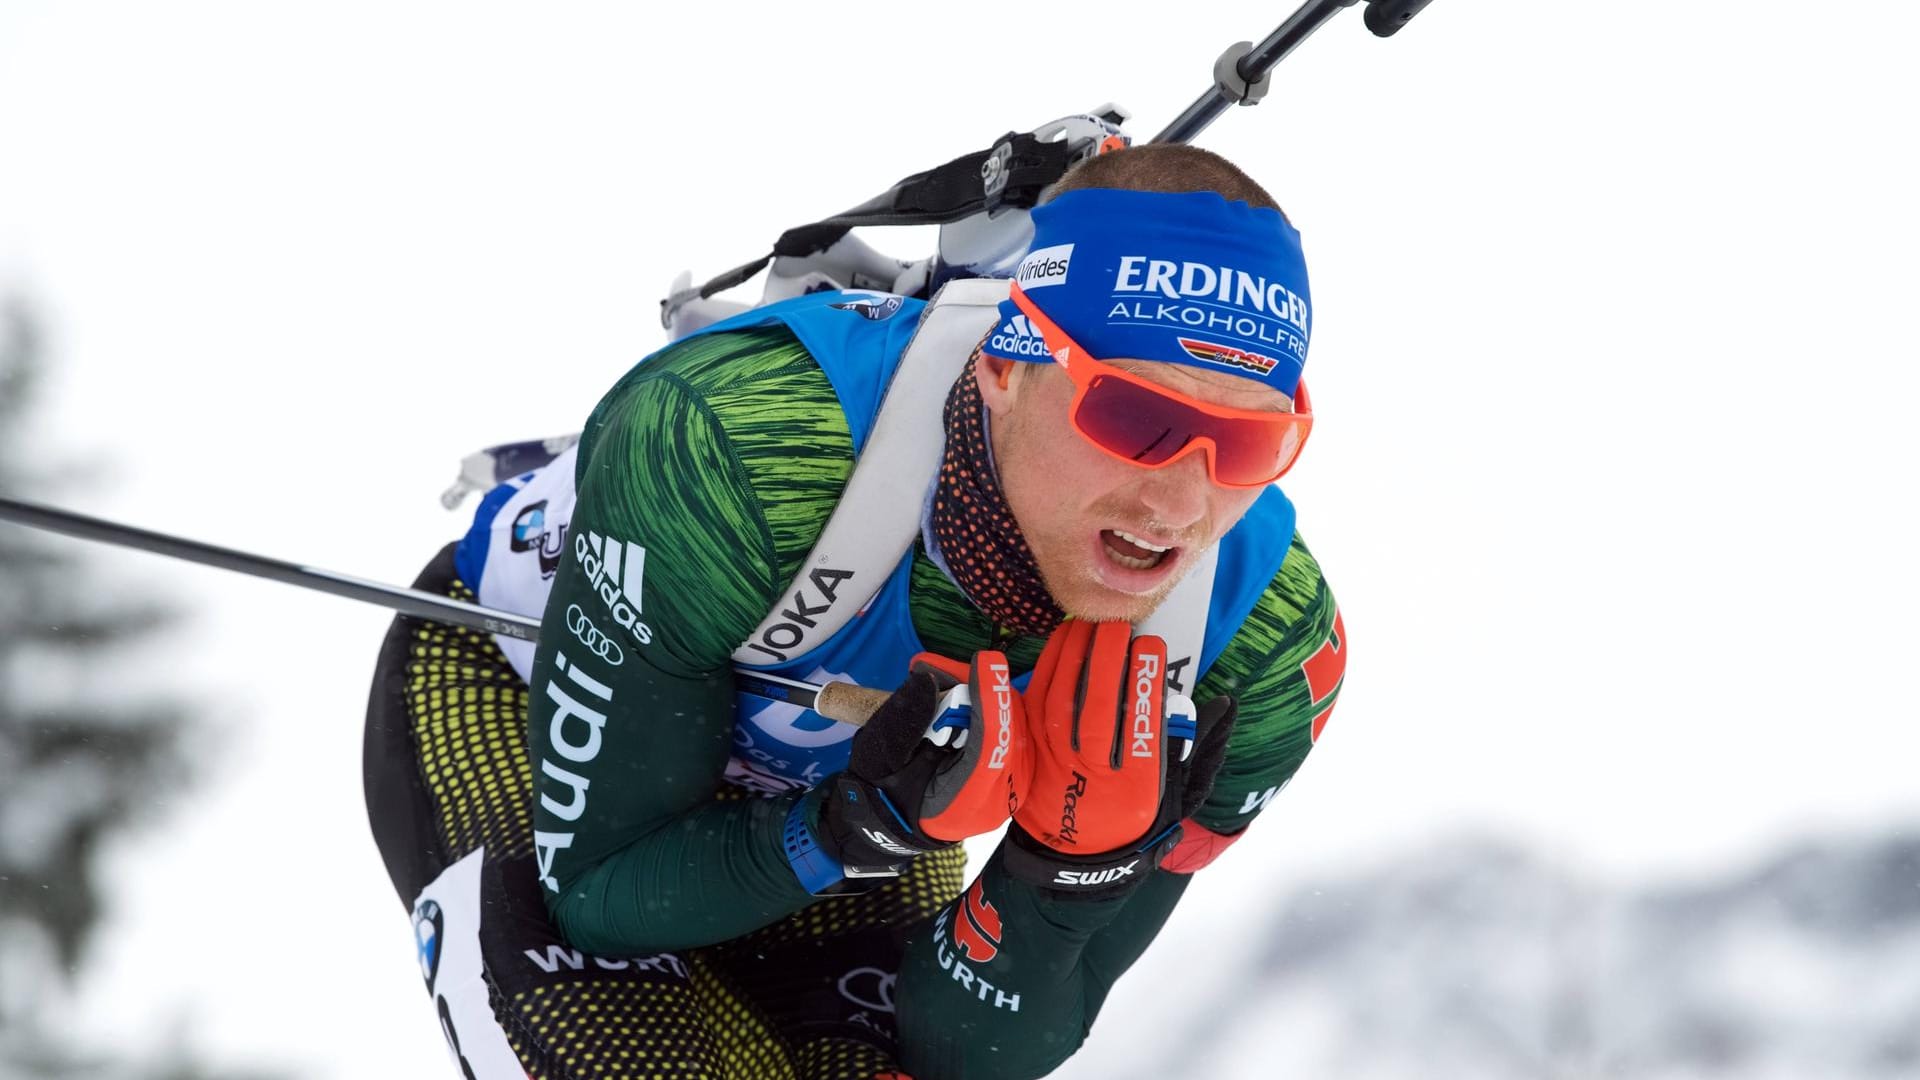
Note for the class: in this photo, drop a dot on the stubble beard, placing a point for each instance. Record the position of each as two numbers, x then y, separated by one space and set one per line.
1077 587
1061 560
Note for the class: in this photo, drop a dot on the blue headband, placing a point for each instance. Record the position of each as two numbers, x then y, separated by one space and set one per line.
1189 279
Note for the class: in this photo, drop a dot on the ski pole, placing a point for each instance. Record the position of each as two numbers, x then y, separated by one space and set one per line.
1244 72
841 701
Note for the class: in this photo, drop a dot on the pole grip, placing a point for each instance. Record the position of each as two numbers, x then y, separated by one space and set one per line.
848 703
1386 17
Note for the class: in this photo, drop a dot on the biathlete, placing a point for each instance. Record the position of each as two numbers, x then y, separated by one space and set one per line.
1057 493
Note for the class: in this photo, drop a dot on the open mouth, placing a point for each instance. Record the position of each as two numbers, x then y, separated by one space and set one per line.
1128 550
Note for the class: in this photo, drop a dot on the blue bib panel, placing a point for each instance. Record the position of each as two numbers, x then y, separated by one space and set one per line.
856 337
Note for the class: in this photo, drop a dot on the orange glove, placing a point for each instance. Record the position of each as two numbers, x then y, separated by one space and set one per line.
975 787
1111 781
1096 705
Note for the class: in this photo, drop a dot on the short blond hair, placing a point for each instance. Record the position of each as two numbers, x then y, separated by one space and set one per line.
1172 168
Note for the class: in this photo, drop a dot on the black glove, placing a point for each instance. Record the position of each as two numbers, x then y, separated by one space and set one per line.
1191 765
913 783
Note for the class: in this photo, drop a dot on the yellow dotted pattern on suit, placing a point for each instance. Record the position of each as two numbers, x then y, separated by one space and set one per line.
931 882
832 1059
637 1031
468 711
469 726
612 1028
748 1046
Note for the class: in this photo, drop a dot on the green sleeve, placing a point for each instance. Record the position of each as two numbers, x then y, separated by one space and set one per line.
1284 666
703 478
1019 1004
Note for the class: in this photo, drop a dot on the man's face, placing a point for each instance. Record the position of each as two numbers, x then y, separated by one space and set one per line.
1087 514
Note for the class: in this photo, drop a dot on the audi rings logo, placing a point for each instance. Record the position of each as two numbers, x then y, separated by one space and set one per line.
869 988
603 646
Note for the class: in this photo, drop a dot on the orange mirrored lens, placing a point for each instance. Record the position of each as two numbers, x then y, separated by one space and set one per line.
1150 427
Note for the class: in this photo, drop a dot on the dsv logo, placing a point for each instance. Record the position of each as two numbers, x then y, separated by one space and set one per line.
603 646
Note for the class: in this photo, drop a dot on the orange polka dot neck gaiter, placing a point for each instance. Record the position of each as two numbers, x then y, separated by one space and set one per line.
980 542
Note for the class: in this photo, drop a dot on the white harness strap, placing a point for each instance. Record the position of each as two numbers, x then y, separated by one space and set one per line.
878 517
1181 621
879 512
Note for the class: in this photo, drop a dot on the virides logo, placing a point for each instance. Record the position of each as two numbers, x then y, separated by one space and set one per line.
1045 266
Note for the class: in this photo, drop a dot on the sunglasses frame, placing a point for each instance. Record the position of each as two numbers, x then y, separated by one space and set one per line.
1084 368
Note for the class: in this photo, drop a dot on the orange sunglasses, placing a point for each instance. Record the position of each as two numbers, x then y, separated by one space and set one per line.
1153 426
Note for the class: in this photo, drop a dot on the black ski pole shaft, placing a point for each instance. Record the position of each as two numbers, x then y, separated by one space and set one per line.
1241 72
852 706
407 601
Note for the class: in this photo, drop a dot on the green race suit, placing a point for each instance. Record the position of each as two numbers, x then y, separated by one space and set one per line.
723 457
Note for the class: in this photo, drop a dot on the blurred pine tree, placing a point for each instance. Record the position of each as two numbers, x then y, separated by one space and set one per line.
78 767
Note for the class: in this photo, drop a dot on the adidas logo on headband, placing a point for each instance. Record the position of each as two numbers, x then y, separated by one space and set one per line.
1017 338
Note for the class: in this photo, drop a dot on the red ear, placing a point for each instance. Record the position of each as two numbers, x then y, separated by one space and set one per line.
1006 374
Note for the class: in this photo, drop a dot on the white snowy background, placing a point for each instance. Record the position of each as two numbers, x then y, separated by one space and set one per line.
1614 363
